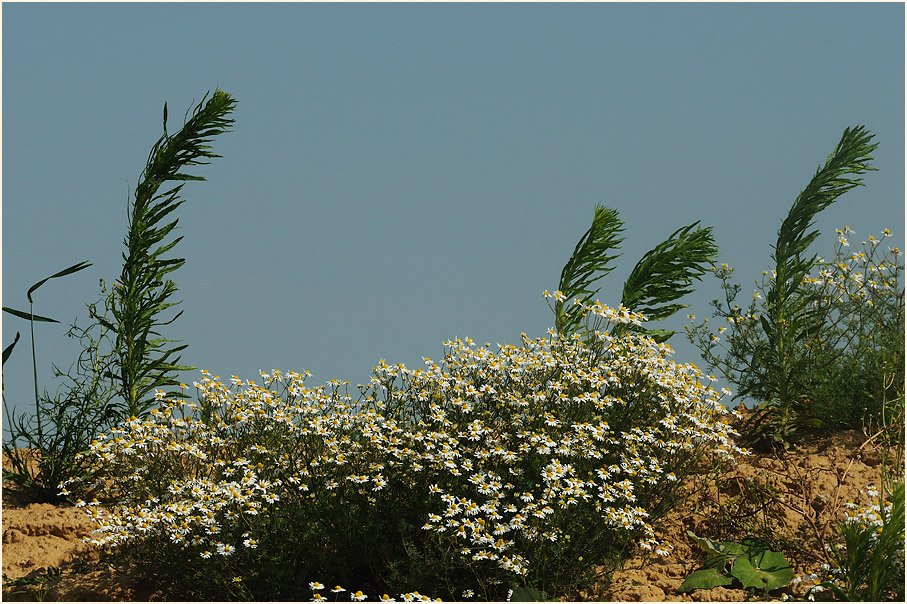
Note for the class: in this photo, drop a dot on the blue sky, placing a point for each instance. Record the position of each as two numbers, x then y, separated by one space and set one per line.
400 175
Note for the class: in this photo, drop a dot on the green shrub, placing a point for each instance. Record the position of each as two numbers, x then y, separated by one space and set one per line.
526 467
850 363
821 343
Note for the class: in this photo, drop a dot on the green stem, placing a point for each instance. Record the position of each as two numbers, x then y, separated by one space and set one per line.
34 361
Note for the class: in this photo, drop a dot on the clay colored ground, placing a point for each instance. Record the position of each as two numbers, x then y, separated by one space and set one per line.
794 497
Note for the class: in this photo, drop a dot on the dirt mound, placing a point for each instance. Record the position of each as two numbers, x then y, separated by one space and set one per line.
791 499
44 557
40 536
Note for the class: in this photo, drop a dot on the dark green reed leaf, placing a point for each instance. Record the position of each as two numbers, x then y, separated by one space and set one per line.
9 349
587 264
66 271
28 316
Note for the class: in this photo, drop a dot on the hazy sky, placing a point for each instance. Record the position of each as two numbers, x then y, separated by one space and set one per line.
400 175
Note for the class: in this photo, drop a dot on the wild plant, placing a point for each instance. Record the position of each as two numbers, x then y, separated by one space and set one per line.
36 587
662 276
851 366
802 337
42 448
525 467
860 352
124 356
143 291
750 563
867 561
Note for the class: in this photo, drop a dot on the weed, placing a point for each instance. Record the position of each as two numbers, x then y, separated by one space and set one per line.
810 349
124 357
750 563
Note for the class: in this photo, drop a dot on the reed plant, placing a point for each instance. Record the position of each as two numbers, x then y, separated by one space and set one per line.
142 294
124 354
662 276
816 336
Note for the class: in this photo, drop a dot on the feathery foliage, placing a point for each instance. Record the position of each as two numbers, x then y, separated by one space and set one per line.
850 158
143 291
789 317
816 339
587 264
124 357
666 273
662 276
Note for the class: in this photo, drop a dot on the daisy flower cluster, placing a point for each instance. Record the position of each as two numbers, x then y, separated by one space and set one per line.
872 540
358 596
499 467
860 276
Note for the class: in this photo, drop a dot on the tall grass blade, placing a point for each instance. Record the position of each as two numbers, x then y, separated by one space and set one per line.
9 349
66 271
28 316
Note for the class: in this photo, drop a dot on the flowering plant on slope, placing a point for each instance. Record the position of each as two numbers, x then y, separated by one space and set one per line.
851 360
531 465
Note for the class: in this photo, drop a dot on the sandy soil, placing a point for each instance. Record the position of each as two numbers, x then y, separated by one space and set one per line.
802 489
802 495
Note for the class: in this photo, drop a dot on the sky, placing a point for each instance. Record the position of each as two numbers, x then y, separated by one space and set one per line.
401 175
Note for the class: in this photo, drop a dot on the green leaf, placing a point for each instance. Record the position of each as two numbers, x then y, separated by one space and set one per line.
587 264
28 316
732 549
850 157
765 570
9 349
712 548
706 578
66 271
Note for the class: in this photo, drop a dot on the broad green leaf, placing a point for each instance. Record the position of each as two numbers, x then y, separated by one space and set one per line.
765 570
731 549
712 548
706 578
